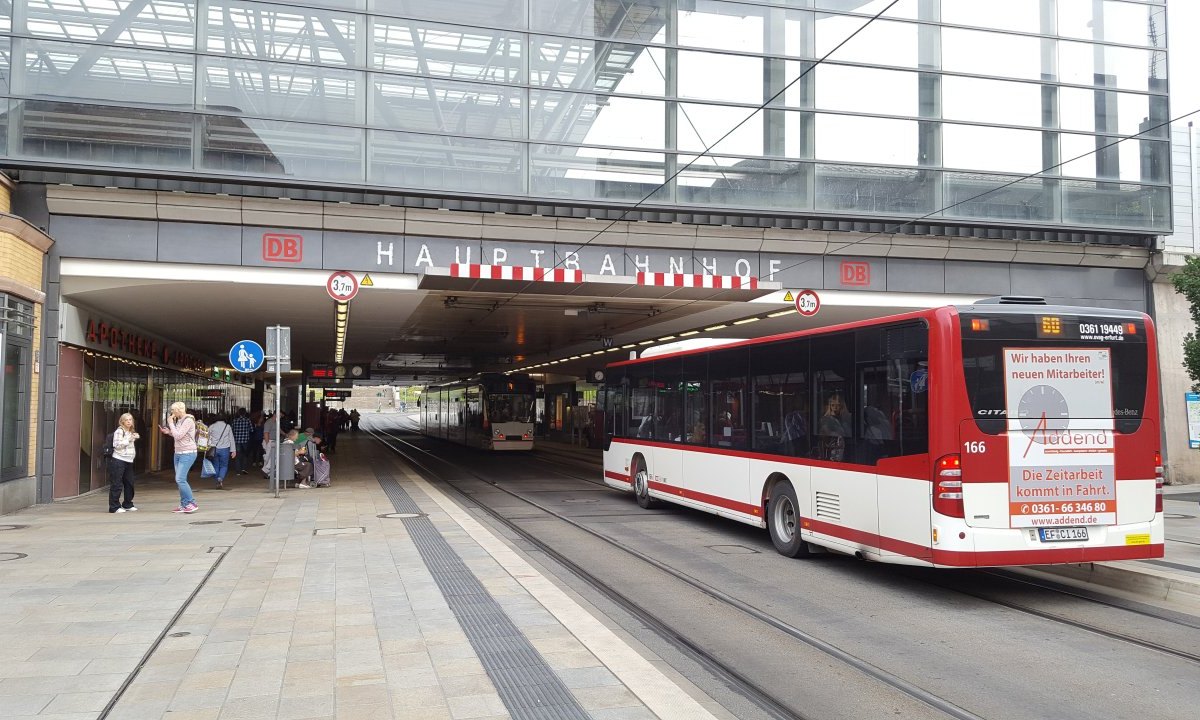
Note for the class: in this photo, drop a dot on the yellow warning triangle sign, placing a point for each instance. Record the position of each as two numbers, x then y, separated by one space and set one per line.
367 281
786 298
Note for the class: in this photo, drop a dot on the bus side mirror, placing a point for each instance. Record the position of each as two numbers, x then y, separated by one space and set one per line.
608 438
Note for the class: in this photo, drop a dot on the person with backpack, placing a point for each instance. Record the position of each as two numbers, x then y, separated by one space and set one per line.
119 453
181 426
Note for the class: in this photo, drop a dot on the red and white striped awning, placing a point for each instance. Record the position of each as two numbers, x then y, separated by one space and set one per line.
682 280
475 277
515 272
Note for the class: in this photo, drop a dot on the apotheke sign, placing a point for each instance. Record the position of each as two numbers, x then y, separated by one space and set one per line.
105 335
91 329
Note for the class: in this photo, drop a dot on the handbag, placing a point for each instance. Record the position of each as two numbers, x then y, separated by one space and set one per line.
210 452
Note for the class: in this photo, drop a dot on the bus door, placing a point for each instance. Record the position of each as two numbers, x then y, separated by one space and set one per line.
891 432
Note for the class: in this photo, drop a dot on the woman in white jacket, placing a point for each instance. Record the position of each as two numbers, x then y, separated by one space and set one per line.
120 466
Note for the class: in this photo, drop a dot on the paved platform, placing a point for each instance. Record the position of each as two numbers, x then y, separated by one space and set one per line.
314 605
320 605
1174 579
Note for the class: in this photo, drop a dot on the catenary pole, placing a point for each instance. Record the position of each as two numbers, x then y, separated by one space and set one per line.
278 391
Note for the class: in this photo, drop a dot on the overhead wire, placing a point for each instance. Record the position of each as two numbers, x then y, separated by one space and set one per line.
706 150
897 227
891 229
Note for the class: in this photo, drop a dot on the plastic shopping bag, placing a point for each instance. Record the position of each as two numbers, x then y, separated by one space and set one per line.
208 470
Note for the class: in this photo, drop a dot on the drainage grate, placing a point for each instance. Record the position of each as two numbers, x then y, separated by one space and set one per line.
206 522
400 516
528 687
12 556
252 524
339 531
13 527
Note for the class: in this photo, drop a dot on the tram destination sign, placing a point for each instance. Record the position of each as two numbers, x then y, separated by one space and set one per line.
337 394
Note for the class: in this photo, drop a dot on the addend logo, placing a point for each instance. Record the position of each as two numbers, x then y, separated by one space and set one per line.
278 247
856 273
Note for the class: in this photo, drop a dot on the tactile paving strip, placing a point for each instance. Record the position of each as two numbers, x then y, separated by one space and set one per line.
528 687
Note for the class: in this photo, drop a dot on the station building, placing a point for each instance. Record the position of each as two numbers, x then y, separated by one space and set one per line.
184 172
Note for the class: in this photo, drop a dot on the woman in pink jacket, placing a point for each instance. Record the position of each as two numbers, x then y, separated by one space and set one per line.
182 427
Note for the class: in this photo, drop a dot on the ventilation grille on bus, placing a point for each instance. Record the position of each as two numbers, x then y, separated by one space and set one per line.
829 506
1012 300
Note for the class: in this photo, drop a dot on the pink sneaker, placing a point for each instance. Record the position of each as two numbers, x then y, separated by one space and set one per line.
191 508
179 509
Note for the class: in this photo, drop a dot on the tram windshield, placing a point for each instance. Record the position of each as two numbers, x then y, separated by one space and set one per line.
510 408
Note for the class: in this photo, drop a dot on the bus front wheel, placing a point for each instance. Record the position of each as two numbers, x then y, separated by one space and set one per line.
783 521
641 484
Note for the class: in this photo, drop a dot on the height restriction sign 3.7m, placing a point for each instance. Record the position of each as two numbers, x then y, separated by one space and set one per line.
1060 437
342 286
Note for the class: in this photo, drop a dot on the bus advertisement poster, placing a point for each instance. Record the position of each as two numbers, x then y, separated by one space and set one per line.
1060 437
1192 402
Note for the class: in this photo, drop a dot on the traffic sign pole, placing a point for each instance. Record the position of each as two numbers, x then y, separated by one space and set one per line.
278 421
279 352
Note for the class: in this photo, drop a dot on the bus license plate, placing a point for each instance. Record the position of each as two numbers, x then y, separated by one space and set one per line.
1062 534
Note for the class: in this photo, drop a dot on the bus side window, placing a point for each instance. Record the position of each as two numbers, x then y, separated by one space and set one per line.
832 358
907 354
669 404
780 395
727 383
695 399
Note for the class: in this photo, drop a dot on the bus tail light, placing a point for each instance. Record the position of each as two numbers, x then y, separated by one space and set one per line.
947 486
526 435
1158 481
496 433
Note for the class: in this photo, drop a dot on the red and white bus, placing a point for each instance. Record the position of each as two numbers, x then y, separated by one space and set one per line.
1007 432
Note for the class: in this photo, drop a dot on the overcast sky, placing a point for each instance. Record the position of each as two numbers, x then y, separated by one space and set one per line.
1183 22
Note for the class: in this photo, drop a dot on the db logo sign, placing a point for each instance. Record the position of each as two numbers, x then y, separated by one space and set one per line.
856 273
283 248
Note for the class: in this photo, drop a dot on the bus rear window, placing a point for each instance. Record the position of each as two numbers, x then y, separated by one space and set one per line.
985 338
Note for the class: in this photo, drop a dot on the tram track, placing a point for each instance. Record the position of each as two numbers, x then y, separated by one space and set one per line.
1009 577
1173 618
1126 606
663 628
1011 583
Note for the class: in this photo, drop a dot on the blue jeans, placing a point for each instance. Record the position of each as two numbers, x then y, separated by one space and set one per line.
221 463
183 463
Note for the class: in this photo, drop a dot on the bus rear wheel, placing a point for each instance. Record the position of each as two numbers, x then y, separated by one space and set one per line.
641 484
783 521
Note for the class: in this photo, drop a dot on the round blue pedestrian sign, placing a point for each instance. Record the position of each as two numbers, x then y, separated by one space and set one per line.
246 356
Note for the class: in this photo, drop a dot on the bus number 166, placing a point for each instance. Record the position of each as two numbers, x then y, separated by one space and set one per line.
975 447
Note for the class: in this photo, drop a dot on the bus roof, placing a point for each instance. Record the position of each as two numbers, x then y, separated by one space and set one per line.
914 315
990 307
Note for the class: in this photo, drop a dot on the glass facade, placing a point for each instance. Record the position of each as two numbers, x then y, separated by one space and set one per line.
16 355
109 387
617 101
